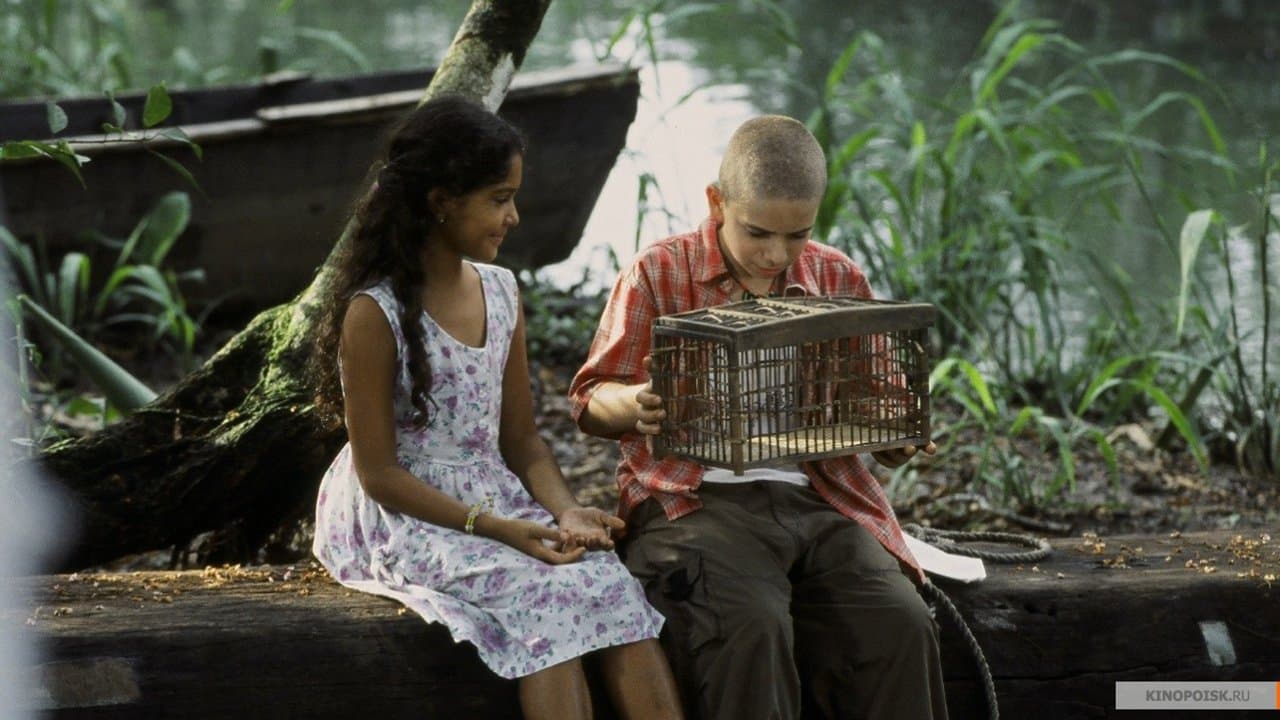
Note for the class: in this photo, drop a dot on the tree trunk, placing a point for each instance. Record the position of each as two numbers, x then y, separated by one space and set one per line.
236 446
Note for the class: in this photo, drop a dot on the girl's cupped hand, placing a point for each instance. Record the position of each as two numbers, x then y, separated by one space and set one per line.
590 528
544 543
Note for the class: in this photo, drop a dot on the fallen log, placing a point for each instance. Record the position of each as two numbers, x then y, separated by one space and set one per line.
280 641
1058 636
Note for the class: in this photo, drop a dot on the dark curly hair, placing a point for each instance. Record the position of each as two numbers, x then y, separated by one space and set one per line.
451 143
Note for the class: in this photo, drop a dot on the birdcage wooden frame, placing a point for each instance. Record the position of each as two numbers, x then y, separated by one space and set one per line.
771 381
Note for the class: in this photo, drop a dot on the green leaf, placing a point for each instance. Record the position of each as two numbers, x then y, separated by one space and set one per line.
151 277
850 148
1133 56
1066 460
157 107
1190 239
19 149
109 289
1178 419
836 74
20 254
1108 452
916 159
118 114
1104 381
687 10
338 42
161 228
83 405
781 22
178 168
178 134
73 285
121 389
57 117
1025 44
69 159
618 33
1024 416
943 369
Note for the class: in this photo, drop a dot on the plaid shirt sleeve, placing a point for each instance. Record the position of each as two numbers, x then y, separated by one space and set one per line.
617 351
659 283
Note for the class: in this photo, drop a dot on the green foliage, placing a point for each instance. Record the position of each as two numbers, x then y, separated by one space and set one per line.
559 323
119 387
156 110
1235 391
986 428
60 48
137 289
57 48
978 202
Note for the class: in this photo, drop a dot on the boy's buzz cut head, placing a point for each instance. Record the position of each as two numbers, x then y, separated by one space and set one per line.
773 157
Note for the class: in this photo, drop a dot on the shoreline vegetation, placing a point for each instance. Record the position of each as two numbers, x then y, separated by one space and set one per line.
1074 390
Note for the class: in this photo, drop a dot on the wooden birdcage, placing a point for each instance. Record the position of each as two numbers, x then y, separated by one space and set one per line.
771 381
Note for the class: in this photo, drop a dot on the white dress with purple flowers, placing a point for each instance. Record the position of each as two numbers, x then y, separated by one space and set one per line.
522 614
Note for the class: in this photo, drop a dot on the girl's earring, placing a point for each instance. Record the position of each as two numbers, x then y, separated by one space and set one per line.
441 219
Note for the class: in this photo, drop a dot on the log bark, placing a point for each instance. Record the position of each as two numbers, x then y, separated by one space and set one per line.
236 447
288 641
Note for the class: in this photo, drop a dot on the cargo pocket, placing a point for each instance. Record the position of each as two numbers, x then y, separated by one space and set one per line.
679 590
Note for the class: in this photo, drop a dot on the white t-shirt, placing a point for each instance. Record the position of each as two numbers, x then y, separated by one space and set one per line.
787 474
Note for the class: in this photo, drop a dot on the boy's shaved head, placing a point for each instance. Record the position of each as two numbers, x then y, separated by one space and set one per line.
773 157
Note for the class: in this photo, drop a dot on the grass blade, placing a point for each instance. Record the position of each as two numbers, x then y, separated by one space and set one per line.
120 388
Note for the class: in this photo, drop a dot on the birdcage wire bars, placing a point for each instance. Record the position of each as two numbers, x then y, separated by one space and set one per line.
772 381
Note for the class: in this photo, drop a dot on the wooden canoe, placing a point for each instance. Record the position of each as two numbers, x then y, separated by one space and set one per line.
290 642
283 161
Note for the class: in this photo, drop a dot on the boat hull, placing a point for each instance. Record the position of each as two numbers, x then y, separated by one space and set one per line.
277 182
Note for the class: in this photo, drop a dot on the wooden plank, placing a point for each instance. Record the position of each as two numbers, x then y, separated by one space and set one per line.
256 643
1059 635
276 641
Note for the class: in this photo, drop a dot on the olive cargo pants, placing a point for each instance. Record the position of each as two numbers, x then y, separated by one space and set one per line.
778 606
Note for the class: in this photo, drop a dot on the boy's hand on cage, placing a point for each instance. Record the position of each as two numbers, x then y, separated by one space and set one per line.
899 456
589 527
649 413
539 541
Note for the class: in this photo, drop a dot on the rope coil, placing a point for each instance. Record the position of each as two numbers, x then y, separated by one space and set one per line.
949 541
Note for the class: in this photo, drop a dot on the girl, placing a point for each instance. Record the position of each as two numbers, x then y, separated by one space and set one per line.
445 498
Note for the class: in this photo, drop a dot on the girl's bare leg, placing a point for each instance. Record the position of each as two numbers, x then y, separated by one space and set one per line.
557 693
639 681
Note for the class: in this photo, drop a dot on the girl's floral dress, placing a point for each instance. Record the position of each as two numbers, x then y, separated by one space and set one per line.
522 614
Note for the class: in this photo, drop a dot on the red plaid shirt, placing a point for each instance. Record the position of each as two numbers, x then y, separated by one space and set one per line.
687 272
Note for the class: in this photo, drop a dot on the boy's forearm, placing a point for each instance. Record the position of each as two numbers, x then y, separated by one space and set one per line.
612 410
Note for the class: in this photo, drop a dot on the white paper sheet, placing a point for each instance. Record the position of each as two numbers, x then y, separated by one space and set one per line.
943 564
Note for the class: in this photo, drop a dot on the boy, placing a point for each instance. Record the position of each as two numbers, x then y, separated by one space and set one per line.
784 589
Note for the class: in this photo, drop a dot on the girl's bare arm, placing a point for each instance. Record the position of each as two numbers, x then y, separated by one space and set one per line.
368 353
531 460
